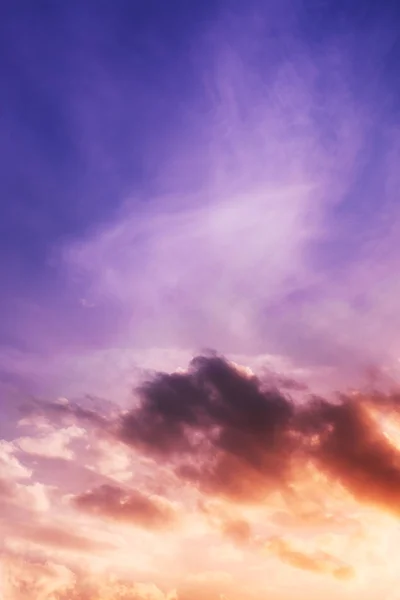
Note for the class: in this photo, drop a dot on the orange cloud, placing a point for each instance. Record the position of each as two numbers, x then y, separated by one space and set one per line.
352 449
237 530
320 562
23 577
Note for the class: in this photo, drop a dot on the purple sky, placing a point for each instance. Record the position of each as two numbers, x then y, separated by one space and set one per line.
216 175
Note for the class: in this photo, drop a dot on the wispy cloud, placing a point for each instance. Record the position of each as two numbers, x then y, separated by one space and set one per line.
263 252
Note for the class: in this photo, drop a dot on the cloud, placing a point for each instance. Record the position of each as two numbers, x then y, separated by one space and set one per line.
319 562
34 496
354 450
17 490
6 489
132 507
112 460
57 537
44 579
229 439
237 530
51 443
255 434
114 588
230 433
10 466
212 408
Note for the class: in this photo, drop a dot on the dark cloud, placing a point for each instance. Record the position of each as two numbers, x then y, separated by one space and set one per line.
224 431
347 443
133 507
236 435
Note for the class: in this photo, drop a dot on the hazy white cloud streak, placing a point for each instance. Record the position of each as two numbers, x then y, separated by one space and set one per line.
221 264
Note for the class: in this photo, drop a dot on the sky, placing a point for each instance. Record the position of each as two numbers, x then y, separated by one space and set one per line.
199 259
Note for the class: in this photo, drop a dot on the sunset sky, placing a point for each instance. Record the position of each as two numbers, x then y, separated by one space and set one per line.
200 281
